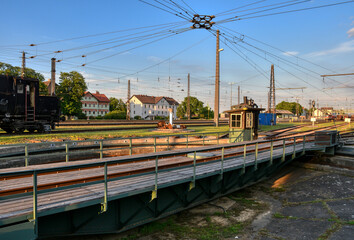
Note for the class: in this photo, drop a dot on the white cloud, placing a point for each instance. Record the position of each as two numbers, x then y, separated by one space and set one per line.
290 53
351 32
345 47
154 59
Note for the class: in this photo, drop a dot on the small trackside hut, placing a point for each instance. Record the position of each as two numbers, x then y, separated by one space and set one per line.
243 121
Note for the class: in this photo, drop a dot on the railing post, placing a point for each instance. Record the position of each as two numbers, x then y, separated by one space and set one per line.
66 152
271 152
130 146
283 157
35 203
203 139
244 158
192 184
154 192
294 151
154 144
256 156
104 205
101 149
187 141
26 154
303 144
222 161
251 134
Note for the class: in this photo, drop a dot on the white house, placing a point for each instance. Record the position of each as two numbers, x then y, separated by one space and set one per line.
95 104
148 107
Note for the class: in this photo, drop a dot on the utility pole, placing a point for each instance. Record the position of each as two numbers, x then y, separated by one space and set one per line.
128 101
189 99
231 94
310 108
52 78
238 95
272 90
217 81
23 64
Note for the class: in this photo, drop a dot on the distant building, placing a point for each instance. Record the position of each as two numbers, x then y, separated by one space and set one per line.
318 113
48 83
95 104
148 107
283 114
327 110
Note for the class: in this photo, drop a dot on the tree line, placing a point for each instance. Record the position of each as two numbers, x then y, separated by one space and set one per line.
72 87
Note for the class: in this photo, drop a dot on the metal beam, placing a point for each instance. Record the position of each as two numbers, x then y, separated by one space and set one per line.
339 74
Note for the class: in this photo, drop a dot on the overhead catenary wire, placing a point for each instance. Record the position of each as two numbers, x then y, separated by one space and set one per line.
283 12
282 51
296 66
165 10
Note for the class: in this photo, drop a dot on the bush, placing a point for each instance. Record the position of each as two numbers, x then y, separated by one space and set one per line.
99 117
161 118
81 116
137 117
115 115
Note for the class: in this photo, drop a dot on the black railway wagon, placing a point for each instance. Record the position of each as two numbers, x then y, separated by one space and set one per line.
22 108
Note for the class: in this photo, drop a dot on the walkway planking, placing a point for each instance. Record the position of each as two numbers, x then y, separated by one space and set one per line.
61 199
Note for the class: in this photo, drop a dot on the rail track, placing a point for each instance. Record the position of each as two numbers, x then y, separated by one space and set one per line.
58 151
92 170
133 127
133 122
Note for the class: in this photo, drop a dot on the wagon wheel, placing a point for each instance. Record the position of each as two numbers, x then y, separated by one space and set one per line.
7 130
19 130
31 130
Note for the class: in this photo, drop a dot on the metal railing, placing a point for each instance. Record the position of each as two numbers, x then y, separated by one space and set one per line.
105 178
96 148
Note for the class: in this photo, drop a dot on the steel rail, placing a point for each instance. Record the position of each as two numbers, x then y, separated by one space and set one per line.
125 173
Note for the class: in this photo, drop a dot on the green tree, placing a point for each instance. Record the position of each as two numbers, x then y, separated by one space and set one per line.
70 91
196 106
14 71
290 106
117 104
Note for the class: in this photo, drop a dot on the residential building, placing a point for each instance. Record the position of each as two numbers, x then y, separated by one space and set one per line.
148 107
48 84
95 104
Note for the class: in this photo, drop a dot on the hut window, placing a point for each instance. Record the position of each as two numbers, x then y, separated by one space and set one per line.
249 120
236 120
19 88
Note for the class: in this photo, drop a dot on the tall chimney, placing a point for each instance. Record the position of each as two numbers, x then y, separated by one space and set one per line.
52 79
245 99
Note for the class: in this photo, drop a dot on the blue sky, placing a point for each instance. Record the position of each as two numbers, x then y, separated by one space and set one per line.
319 41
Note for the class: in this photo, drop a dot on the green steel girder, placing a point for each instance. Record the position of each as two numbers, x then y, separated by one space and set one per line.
129 211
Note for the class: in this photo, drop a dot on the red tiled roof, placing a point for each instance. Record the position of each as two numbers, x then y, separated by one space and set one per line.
171 101
145 99
47 82
98 96
101 97
153 100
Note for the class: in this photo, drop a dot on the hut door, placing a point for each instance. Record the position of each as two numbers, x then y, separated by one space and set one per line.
249 120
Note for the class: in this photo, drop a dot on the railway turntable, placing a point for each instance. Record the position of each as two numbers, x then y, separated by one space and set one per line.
115 194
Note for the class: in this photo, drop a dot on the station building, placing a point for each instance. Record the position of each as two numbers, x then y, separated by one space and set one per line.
148 107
